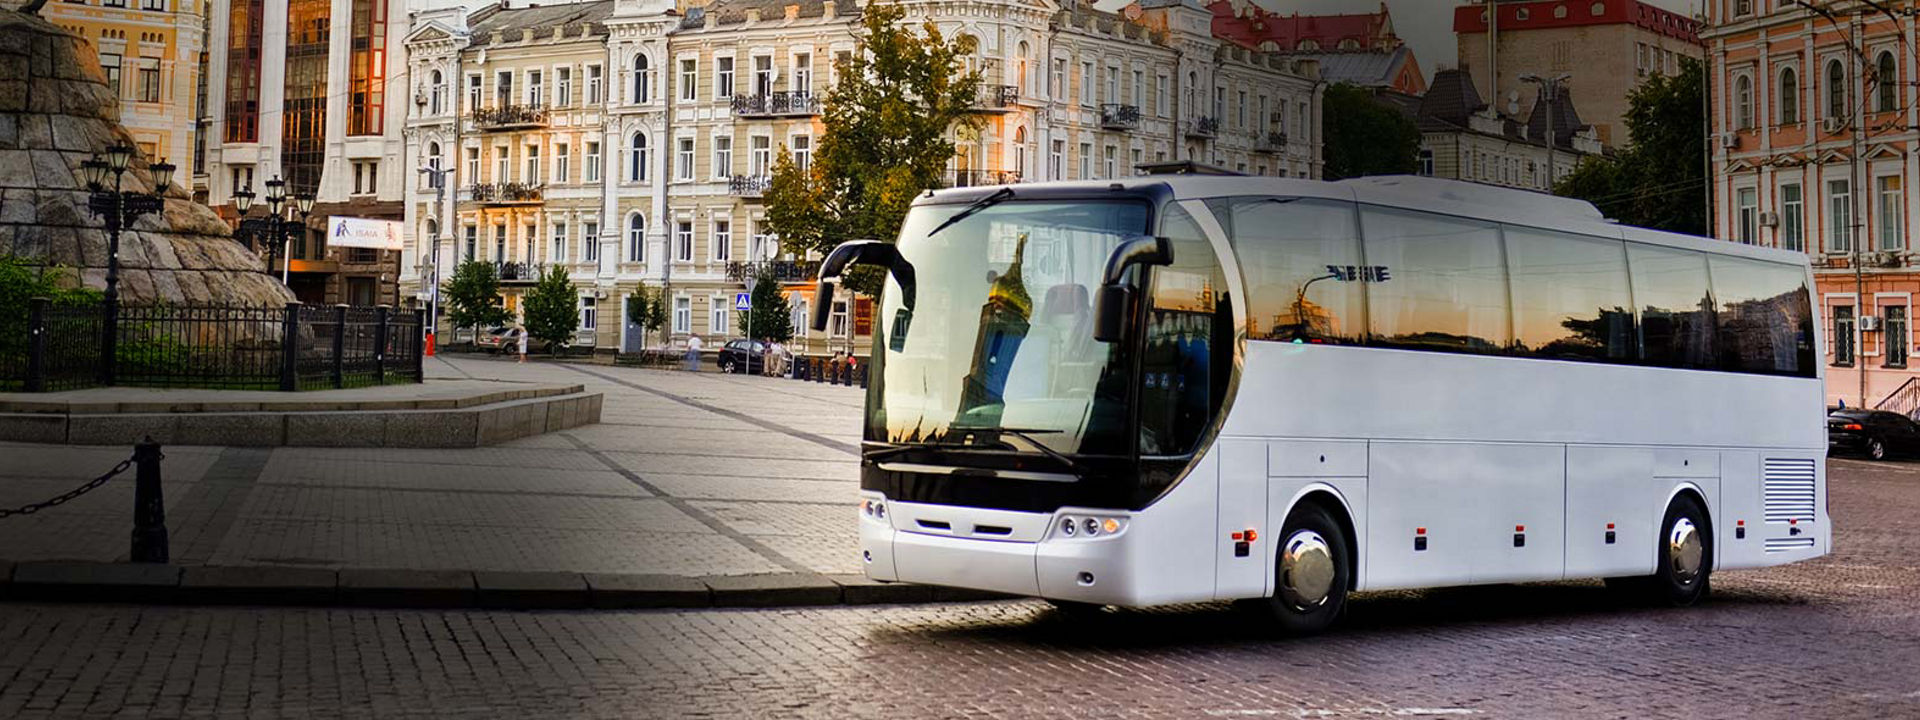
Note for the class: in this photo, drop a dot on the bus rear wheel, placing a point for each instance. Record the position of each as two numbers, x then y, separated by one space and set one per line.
1311 574
1683 558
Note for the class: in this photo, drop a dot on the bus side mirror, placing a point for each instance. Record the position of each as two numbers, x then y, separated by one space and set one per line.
822 305
1110 312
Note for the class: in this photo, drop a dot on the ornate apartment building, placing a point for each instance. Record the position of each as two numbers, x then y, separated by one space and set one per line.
631 141
1813 140
151 51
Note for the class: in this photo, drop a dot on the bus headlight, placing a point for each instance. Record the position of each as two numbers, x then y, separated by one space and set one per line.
1093 526
1067 527
1084 526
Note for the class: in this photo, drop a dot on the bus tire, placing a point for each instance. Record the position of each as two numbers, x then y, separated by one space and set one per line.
1311 574
1683 559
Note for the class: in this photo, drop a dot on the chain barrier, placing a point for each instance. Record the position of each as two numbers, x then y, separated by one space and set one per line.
32 508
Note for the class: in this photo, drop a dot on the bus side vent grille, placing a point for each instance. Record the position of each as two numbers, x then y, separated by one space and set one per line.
1789 489
1775 545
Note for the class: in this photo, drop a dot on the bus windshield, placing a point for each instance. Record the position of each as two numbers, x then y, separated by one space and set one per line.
998 352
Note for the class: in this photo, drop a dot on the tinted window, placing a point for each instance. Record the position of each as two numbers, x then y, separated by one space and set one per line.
1189 353
1676 312
1436 283
1765 323
1288 249
1570 296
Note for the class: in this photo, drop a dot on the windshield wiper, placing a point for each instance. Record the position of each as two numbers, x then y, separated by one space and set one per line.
1027 434
996 198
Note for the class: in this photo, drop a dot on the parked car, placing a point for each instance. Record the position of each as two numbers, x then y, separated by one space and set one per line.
1877 434
495 339
748 356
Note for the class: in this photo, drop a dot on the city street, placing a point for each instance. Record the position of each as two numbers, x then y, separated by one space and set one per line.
1836 637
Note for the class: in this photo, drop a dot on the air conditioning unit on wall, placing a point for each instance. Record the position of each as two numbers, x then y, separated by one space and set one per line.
1887 259
1769 219
1869 323
1833 124
1730 141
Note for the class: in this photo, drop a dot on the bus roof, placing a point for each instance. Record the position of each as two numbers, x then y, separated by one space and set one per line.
1448 197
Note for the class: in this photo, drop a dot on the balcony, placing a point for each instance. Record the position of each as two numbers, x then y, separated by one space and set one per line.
1119 117
978 178
778 270
509 117
748 186
519 273
1204 128
784 103
1272 142
998 99
501 194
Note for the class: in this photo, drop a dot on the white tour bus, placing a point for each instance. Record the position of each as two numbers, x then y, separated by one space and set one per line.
1179 389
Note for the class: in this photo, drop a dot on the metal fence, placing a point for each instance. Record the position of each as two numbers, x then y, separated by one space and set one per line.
292 348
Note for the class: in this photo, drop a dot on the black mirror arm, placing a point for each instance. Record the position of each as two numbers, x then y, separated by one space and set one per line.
860 252
1139 250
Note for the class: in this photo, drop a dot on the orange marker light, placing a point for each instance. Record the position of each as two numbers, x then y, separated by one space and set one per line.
1519 528
1112 525
1236 536
1252 536
1419 531
1740 523
1609 526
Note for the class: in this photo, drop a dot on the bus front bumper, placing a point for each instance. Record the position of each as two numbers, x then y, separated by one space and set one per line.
1082 569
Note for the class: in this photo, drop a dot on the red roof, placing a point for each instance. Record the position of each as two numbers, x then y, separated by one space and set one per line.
1251 26
1577 13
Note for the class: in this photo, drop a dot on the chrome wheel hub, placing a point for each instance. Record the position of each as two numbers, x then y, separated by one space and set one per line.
1306 570
1685 550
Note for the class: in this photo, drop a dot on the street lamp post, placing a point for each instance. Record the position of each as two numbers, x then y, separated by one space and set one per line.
437 178
272 230
120 209
1549 93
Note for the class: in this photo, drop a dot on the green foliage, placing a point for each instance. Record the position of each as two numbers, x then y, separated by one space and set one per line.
22 280
885 140
473 296
1364 136
552 310
648 309
1659 181
771 318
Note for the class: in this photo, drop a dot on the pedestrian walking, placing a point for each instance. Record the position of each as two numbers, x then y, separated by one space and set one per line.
779 357
693 353
523 345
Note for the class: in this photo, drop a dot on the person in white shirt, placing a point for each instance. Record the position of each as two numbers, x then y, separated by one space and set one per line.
523 344
693 352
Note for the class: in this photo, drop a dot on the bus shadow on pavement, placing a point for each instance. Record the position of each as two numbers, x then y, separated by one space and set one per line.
1220 624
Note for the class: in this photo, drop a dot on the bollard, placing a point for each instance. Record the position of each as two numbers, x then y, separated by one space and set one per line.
149 507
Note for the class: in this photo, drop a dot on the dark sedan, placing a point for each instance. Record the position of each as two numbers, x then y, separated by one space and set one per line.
1877 434
742 356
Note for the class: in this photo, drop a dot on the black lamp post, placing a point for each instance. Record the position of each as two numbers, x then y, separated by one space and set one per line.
272 231
120 209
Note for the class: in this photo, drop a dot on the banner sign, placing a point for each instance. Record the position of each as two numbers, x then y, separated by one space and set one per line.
363 233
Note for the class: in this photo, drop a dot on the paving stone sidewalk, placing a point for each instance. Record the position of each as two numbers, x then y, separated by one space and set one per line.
689 475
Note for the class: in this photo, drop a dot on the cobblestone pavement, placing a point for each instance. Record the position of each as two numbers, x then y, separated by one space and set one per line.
1834 638
686 474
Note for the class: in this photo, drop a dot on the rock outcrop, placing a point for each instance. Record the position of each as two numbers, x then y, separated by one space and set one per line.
56 112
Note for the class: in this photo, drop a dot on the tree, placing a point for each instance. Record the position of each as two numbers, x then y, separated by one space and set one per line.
552 310
1658 181
886 137
473 296
770 318
1363 136
648 311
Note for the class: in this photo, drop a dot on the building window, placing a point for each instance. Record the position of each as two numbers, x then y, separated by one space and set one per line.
760 247
800 318
802 73
837 320
637 159
689 80
683 160
1160 104
682 315
1743 101
560 240
722 156
723 77
562 163
1746 204
1889 191
759 155
536 89
473 243
1894 330
683 241
763 75
499 242
1426 162
1056 160
1840 214
717 315
529 240
111 64
1057 82
1886 83
1836 89
590 241
1843 334
473 91
589 311
802 152
1086 83
244 44
1112 162
642 80
722 240
1789 97
532 162
637 238
593 162
366 177
563 87
1792 219
149 82
1086 161
593 84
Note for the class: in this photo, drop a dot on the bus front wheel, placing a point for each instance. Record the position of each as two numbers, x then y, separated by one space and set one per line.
1310 572
1683 558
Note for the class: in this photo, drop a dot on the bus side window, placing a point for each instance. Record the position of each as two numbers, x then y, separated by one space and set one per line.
1676 309
1570 297
1188 345
1290 250
1446 288
1764 324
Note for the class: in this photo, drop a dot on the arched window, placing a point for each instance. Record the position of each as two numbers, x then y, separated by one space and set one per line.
637 158
637 238
1886 84
1025 68
642 79
1743 101
1836 89
431 179
436 91
1309 45
1789 97
433 229
1020 153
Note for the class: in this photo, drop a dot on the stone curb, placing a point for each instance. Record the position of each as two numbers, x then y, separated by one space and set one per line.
500 590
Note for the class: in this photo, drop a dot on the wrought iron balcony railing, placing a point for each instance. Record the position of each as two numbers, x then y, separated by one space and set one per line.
748 185
998 98
778 270
1119 117
507 193
1271 142
519 272
1204 127
783 102
977 178
508 117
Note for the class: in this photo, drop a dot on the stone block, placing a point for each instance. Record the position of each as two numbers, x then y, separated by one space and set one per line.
406 588
431 430
135 284
614 591
33 428
15 96
774 590
335 429
527 590
166 287
160 255
258 586
858 590
509 422
70 137
95 582
66 210
119 429
16 168
9 131
50 170
17 206
193 288
237 429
